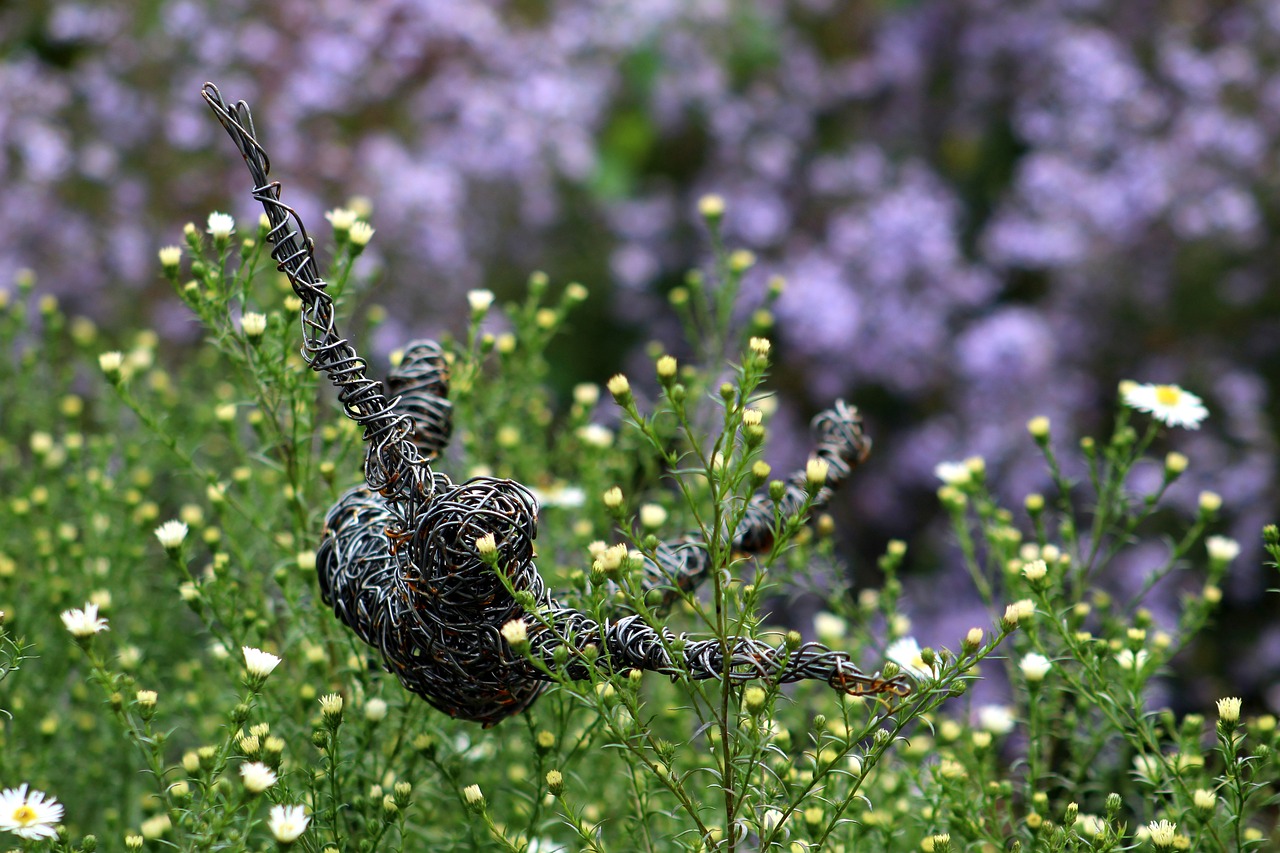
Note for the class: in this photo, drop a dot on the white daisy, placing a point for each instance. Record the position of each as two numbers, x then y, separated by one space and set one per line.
253 324
361 233
1222 549
331 705
560 496
221 225
953 473
830 628
516 633
171 534
257 776
1092 826
997 719
1168 404
1131 660
287 823
111 362
1162 832
341 218
84 623
259 663
816 471
155 826
595 435
474 796
905 652
652 516
28 814
479 300
1035 666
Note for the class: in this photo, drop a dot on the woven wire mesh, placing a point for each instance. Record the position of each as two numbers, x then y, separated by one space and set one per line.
398 561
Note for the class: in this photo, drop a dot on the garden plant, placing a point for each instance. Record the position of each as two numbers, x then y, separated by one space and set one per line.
172 674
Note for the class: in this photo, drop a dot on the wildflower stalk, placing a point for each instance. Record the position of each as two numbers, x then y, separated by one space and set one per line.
1112 511
723 479
642 758
1236 766
957 509
1125 717
1177 553
287 397
202 473
336 813
539 772
149 743
12 654
1070 526
1036 730
926 699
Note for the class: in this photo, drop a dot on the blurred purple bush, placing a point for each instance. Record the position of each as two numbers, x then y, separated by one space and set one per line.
985 210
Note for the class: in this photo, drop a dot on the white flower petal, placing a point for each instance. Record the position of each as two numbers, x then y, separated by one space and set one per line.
905 652
287 823
27 814
259 663
1169 404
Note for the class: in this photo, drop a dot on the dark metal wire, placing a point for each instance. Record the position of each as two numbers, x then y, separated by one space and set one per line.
683 564
420 384
398 561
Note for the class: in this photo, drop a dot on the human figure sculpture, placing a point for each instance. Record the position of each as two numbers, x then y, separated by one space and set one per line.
400 566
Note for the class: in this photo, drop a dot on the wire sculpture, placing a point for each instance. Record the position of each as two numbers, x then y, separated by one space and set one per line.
399 563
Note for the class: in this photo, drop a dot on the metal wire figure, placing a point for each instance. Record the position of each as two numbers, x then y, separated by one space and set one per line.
398 561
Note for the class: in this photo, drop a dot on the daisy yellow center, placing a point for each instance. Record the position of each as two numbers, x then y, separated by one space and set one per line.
1168 395
24 815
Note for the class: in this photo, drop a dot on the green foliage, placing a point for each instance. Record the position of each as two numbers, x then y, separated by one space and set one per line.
149 731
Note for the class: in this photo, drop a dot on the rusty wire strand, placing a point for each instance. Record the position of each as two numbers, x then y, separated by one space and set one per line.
398 561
